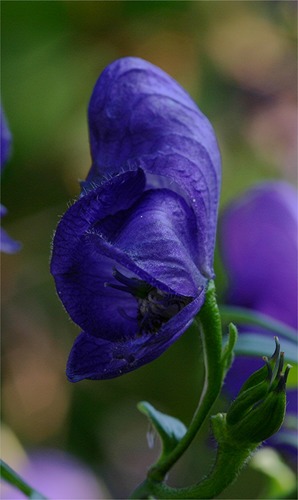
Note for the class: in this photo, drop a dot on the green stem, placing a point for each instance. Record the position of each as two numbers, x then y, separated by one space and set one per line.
245 316
230 459
228 464
231 454
210 327
11 477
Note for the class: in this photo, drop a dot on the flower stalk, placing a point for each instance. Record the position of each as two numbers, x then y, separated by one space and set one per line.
256 414
209 324
12 478
216 360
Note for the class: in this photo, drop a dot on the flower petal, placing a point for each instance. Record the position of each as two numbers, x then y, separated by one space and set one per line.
94 358
259 246
5 140
117 194
7 244
139 115
81 272
151 240
157 233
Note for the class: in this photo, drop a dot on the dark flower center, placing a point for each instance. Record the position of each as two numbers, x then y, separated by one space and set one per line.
155 307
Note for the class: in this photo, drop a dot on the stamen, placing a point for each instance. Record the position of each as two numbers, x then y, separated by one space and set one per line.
134 286
117 287
158 308
155 307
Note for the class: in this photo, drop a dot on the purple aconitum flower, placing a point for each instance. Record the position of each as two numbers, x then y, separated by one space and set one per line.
132 256
7 244
259 243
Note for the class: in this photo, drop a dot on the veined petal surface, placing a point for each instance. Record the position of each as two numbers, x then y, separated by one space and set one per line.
139 115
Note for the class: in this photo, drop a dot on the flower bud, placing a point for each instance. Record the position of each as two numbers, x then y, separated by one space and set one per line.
266 370
263 421
259 409
247 400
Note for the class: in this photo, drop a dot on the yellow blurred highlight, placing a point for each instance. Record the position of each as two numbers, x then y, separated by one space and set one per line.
36 395
12 451
250 49
175 53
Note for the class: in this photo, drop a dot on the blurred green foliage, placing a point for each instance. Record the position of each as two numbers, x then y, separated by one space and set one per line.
237 60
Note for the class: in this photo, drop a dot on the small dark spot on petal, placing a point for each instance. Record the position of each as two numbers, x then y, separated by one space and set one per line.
118 356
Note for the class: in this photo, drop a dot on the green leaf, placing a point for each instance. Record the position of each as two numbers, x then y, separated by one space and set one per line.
11 477
292 380
228 349
170 429
243 316
254 344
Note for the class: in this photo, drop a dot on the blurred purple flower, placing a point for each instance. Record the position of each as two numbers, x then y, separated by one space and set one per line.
57 476
5 140
259 242
7 244
132 257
